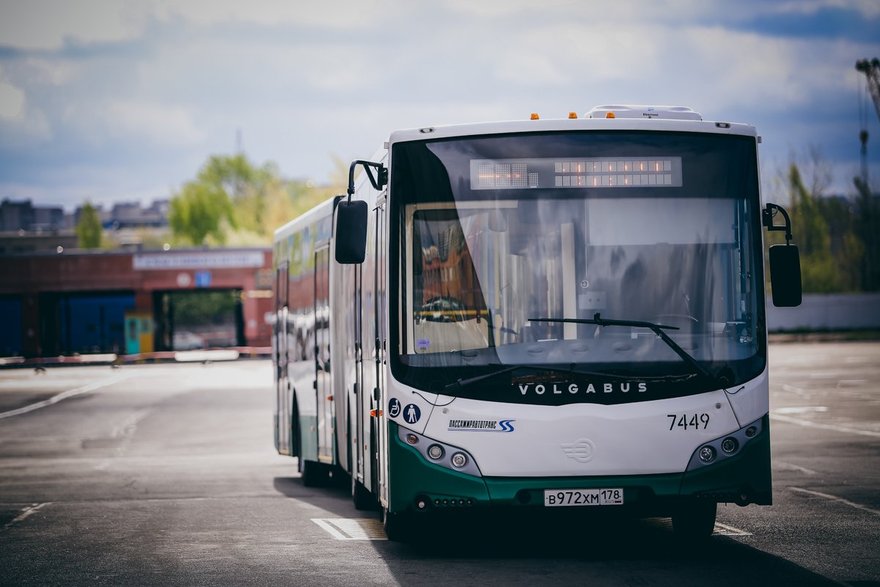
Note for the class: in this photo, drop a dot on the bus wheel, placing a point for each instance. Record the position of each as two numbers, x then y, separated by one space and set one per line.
396 526
362 498
314 474
695 520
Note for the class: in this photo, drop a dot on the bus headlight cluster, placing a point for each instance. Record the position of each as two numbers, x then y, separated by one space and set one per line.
439 453
724 447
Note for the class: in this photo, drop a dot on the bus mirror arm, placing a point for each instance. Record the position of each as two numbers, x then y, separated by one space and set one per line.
785 264
378 181
767 215
350 232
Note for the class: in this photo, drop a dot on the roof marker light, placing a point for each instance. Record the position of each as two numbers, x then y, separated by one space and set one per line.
610 115
535 116
572 114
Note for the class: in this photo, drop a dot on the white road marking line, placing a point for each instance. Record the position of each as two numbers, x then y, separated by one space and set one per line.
800 409
793 467
795 390
834 427
838 499
26 513
851 382
725 530
65 395
330 529
124 431
352 529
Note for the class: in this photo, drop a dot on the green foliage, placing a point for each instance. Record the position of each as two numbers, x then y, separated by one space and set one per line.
198 212
88 227
866 227
233 201
818 270
837 238
199 308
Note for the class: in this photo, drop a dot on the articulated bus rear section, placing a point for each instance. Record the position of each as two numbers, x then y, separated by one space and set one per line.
539 315
328 325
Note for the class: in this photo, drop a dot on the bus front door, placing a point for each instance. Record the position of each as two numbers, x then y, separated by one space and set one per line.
323 386
279 337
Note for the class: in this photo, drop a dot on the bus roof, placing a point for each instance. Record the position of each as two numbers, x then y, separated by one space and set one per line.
610 117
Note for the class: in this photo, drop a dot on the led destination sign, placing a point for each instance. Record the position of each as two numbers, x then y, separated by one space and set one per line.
596 172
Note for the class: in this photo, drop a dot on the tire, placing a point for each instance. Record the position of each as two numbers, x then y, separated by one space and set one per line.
314 474
360 496
695 520
396 525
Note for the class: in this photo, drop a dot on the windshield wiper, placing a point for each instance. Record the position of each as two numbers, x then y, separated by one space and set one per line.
657 329
459 383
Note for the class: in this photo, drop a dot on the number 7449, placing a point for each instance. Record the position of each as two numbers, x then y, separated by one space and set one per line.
688 421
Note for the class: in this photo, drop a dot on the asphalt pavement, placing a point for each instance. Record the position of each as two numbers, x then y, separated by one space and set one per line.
166 474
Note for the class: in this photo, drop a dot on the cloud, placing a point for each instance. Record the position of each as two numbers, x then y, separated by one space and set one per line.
48 24
332 14
810 20
163 125
146 90
11 101
21 124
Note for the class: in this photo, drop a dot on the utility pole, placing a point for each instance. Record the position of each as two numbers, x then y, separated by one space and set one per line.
867 204
871 69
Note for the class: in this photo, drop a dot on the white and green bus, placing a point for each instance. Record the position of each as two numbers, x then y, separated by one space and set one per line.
534 315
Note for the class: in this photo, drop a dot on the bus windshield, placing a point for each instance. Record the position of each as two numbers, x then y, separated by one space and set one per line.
510 259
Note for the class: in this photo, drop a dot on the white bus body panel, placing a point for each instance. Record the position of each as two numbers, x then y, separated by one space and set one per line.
639 438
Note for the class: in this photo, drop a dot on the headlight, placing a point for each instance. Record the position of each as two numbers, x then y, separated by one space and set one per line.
707 454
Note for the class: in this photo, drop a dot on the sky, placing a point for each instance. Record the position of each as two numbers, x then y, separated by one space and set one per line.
124 100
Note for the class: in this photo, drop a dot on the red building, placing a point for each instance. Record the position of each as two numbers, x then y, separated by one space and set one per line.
134 302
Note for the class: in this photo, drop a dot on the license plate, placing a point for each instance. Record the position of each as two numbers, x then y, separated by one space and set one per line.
582 497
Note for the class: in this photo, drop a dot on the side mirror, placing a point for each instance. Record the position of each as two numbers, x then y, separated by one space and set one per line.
350 232
785 262
785 276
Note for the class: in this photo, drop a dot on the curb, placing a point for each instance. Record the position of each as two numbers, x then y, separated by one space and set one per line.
205 355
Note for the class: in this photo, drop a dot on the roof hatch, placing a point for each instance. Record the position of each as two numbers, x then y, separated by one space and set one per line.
650 112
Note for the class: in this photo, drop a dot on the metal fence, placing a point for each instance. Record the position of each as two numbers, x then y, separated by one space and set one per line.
827 312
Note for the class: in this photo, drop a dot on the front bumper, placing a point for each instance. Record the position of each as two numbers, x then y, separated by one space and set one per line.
416 484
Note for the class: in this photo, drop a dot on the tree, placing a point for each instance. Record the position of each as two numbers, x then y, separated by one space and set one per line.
232 200
867 227
818 271
88 227
198 212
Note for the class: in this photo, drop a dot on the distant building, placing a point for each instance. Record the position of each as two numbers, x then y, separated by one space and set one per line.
131 302
22 215
133 215
27 229
29 243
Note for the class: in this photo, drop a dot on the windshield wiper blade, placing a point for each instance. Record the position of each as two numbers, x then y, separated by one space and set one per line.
657 329
459 383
